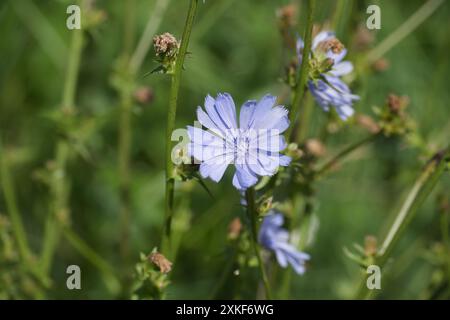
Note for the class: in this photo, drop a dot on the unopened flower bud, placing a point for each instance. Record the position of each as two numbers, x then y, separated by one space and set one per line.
161 262
294 151
370 245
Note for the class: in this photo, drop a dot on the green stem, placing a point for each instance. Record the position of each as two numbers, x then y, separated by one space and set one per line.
90 255
59 187
253 216
304 69
171 114
419 192
404 30
304 120
13 211
333 161
125 134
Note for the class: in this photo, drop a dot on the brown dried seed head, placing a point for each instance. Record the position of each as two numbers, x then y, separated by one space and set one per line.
161 262
367 123
234 228
363 37
143 95
287 14
380 65
396 103
315 147
165 44
370 245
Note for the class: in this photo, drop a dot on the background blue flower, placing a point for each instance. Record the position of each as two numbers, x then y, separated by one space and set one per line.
274 238
331 90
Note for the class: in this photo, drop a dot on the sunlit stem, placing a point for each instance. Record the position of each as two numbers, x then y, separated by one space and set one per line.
171 115
404 30
419 192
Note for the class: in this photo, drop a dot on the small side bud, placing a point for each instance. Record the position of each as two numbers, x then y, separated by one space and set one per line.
370 245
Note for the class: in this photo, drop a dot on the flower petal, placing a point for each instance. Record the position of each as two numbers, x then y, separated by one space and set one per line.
244 177
246 114
215 168
281 258
342 68
226 110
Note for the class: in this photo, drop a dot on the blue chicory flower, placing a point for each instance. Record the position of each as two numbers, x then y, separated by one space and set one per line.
274 238
253 145
329 89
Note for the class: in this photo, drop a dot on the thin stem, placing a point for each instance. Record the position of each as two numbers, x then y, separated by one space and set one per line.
333 161
147 37
13 211
59 187
304 120
90 255
404 30
418 194
171 114
124 148
26 255
252 215
304 69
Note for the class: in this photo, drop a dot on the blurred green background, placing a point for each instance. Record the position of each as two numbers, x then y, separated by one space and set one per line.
235 47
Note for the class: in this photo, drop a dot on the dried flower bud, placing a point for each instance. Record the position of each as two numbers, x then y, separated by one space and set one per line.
286 15
234 228
143 95
166 45
161 262
367 123
397 104
363 38
370 245
315 148
380 65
